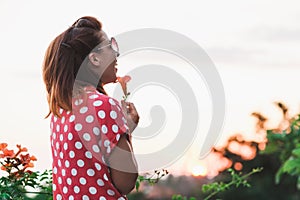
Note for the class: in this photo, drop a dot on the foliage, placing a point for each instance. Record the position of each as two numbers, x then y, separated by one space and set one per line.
180 197
281 156
237 179
286 144
18 178
276 151
151 179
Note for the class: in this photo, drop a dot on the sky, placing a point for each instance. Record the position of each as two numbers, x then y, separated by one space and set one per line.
253 44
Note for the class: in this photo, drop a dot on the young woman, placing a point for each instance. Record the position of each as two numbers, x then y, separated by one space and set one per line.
90 131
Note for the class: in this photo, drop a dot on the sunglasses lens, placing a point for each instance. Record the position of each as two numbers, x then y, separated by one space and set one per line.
114 45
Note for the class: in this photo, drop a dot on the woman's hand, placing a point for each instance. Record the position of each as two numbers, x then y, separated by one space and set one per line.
131 115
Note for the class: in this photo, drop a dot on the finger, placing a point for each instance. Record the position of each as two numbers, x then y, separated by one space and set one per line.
129 107
132 107
134 113
124 106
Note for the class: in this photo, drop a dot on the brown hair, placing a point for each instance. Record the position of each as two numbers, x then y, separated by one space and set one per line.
64 57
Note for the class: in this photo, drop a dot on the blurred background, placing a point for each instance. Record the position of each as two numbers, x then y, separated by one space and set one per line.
254 45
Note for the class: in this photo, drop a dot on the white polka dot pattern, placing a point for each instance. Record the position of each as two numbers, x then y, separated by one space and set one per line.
65 128
78 127
98 166
54 170
101 114
72 154
115 128
76 189
65 190
78 145
65 146
89 119
90 172
69 181
63 119
88 154
83 110
96 130
58 197
74 172
70 136
92 190
80 163
110 192
67 164
113 114
97 103
72 118
82 181
80 141
86 137
100 182
96 148
104 129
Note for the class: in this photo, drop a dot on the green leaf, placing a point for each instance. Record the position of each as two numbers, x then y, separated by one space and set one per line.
5 196
278 175
296 152
44 178
291 166
270 148
205 188
177 197
137 185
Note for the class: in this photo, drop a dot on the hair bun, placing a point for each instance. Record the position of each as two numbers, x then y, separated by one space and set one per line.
87 22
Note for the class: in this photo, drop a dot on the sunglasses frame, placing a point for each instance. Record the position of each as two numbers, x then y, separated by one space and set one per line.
111 41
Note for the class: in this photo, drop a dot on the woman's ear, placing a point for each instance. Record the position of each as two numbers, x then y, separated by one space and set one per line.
94 59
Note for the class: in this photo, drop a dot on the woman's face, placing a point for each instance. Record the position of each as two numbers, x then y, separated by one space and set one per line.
107 60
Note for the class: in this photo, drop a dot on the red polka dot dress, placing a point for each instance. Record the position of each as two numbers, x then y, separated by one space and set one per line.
80 142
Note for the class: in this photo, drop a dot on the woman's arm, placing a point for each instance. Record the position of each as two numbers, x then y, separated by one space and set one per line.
123 166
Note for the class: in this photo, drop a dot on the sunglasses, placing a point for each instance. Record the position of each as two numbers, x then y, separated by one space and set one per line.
114 45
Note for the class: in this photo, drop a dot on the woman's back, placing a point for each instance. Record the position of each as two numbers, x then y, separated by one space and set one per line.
81 141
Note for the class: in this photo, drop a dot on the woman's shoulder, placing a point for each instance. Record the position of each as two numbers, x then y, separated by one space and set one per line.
97 99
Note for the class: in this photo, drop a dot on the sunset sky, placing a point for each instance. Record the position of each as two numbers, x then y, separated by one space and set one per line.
255 46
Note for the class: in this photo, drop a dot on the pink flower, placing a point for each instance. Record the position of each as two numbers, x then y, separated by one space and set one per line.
123 81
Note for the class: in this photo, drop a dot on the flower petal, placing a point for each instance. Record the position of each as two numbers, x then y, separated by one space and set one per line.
3 146
123 81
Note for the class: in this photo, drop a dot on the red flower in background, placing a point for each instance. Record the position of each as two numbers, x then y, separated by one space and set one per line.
24 149
15 163
5 151
3 167
3 146
8 153
14 184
